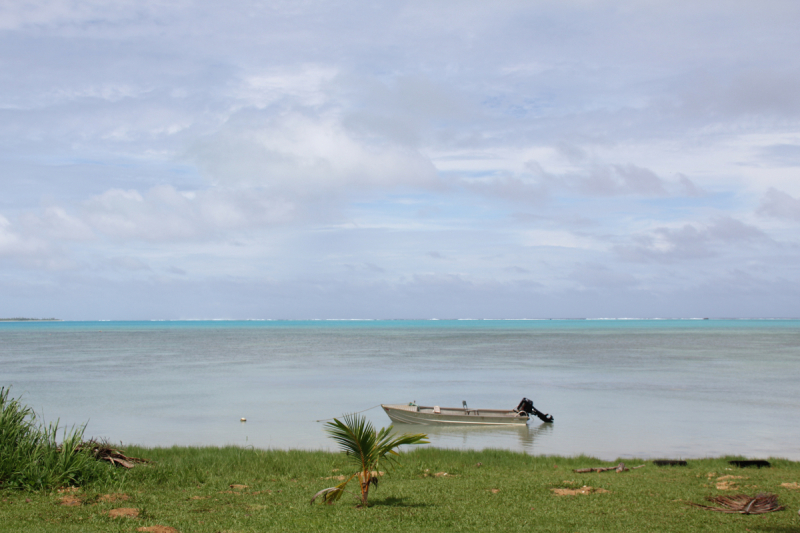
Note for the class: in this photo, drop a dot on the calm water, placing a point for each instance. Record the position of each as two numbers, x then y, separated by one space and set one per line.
686 388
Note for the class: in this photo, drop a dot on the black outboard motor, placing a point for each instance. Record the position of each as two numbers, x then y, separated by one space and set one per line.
526 406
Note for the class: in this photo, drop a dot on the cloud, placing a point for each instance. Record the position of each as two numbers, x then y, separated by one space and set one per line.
31 252
166 214
782 154
177 271
54 223
368 268
690 241
319 150
594 181
301 156
509 188
778 204
594 275
766 91
614 180
301 85
559 238
408 109
128 263
688 188
15 15
14 244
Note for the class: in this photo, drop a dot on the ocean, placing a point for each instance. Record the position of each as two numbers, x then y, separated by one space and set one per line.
617 388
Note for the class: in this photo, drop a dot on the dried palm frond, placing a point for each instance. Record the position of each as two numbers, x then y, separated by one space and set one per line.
743 504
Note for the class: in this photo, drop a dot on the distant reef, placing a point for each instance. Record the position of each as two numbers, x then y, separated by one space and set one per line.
19 319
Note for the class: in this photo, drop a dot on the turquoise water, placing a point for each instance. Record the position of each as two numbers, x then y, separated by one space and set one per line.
617 388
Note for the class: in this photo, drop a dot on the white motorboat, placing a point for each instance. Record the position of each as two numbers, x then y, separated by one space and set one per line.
412 413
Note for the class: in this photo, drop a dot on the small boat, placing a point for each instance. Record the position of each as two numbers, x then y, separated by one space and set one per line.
419 414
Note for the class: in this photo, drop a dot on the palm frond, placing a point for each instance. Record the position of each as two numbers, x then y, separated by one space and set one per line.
387 444
329 495
355 436
743 504
332 494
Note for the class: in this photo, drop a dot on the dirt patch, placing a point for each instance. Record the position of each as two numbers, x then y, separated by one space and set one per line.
574 492
124 512
70 501
728 482
427 473
199 497
238 487
158 529
114 497
794 486
495 491
338 478
64 490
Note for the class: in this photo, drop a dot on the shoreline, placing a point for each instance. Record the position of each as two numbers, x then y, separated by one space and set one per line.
648 458
20 319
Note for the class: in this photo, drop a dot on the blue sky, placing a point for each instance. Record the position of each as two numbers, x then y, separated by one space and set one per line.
190 159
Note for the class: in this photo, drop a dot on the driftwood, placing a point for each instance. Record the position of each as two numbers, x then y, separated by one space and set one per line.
743 504
619 468
102 451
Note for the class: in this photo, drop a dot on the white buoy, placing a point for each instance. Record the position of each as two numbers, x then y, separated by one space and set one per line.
243 419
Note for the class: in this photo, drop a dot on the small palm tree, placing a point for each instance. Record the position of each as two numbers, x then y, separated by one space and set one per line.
367 447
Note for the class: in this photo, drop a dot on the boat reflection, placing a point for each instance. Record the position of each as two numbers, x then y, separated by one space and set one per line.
480 437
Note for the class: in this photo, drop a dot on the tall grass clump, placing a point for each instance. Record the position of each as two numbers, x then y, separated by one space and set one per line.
30 456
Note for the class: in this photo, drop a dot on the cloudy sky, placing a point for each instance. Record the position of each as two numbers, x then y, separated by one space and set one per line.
324 159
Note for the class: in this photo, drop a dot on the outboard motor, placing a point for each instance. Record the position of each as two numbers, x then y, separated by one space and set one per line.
526 406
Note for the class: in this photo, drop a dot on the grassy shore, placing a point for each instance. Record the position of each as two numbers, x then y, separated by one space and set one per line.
245 490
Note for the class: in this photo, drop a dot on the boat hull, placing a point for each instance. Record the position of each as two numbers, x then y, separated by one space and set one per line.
426 416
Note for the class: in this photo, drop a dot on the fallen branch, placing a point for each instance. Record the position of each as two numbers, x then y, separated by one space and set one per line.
102 451
619 468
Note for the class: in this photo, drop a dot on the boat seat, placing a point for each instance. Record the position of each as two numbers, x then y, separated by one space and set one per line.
436 410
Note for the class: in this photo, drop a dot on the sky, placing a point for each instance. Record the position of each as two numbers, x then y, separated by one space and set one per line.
190 159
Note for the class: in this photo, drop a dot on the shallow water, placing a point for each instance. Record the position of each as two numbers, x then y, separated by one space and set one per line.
689 388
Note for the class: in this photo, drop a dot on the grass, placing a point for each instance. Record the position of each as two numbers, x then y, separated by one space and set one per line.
30 456
190 490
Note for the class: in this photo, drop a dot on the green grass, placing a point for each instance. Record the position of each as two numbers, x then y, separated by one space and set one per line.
31 457
189 489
